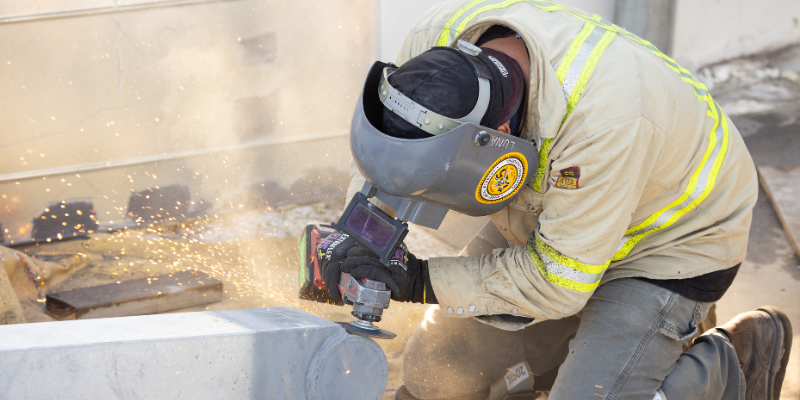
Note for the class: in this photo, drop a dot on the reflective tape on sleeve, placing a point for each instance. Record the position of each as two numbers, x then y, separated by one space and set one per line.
543 151
577 66
561 270
573 73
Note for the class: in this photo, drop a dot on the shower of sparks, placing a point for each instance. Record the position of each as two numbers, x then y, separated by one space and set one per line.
252 252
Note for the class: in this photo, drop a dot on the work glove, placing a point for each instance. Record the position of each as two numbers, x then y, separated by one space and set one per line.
406 276
330 253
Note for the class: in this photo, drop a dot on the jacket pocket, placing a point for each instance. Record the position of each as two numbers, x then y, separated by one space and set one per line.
519 219
528 201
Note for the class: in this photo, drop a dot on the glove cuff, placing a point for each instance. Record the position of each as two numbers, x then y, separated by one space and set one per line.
428 297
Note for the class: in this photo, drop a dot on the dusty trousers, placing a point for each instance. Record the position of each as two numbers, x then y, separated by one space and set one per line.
625 344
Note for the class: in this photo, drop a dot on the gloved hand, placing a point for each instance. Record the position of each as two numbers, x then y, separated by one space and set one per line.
330 253
406 276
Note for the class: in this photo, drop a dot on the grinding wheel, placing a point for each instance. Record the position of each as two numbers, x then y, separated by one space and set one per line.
370 331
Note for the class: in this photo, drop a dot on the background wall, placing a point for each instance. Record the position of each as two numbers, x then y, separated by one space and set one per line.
706 31
709 31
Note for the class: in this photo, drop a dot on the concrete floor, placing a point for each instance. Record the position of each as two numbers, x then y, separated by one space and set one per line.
771 273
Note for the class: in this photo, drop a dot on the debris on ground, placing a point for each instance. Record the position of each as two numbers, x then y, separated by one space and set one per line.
753 88
782 185
141 296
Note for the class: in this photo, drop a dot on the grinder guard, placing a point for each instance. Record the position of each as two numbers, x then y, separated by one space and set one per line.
470 169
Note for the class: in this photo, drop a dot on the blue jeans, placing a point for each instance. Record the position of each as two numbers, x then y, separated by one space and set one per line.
626 343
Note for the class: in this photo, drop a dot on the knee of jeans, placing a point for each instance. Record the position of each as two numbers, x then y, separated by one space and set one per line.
677 328
438 369
446 357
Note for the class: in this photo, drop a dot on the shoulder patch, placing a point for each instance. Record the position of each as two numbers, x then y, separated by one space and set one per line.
569 178
503 179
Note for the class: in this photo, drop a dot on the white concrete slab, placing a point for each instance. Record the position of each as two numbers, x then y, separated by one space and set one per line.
243 354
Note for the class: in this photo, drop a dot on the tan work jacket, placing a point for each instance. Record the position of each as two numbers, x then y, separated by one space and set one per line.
640 173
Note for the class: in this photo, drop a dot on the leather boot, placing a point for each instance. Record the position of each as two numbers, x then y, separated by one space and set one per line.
762 340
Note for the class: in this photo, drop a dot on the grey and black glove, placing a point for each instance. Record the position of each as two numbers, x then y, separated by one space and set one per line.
330 253
406 276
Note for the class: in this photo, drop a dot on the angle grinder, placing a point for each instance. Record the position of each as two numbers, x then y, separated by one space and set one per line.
369 298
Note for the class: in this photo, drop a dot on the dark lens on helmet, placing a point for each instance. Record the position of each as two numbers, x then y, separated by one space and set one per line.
370 227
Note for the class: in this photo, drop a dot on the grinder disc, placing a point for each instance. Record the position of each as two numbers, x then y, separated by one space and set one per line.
375 332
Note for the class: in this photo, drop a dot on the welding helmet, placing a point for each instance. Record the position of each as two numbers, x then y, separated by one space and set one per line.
463 166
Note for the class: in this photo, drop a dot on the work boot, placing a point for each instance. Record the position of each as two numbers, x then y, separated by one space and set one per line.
762 340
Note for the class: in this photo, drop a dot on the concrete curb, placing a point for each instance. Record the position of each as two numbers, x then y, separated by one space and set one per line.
245 354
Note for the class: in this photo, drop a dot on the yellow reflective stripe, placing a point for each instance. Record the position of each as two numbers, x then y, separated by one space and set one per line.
578 64
701 91
700 185
577 91
573 51
564 282
537 180
546 5
573 75
460 21
554 255
484 9
444 38
561 270
704 177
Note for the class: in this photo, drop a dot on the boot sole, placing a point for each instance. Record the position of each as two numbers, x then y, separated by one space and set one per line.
783 347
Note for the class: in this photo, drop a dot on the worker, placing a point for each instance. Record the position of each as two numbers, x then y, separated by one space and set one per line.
618 236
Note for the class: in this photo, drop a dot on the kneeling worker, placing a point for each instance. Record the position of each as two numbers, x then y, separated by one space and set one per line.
625 223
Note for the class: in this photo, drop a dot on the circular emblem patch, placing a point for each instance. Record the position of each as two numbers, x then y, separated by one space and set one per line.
502 179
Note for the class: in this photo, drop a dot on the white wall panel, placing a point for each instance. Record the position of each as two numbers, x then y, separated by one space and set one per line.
709 31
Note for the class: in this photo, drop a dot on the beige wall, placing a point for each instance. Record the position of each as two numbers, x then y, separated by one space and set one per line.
707 31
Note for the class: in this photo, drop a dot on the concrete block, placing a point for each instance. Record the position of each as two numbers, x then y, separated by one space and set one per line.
245 354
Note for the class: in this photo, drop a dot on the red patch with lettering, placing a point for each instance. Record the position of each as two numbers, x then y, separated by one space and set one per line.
569 178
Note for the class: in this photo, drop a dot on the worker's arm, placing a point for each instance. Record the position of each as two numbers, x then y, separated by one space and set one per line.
580 229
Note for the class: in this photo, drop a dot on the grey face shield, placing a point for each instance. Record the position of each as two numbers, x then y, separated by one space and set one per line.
467 168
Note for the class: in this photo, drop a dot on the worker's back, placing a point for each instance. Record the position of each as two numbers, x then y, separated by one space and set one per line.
644 164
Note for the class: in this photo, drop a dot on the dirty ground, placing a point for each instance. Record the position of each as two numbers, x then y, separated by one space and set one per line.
762 96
